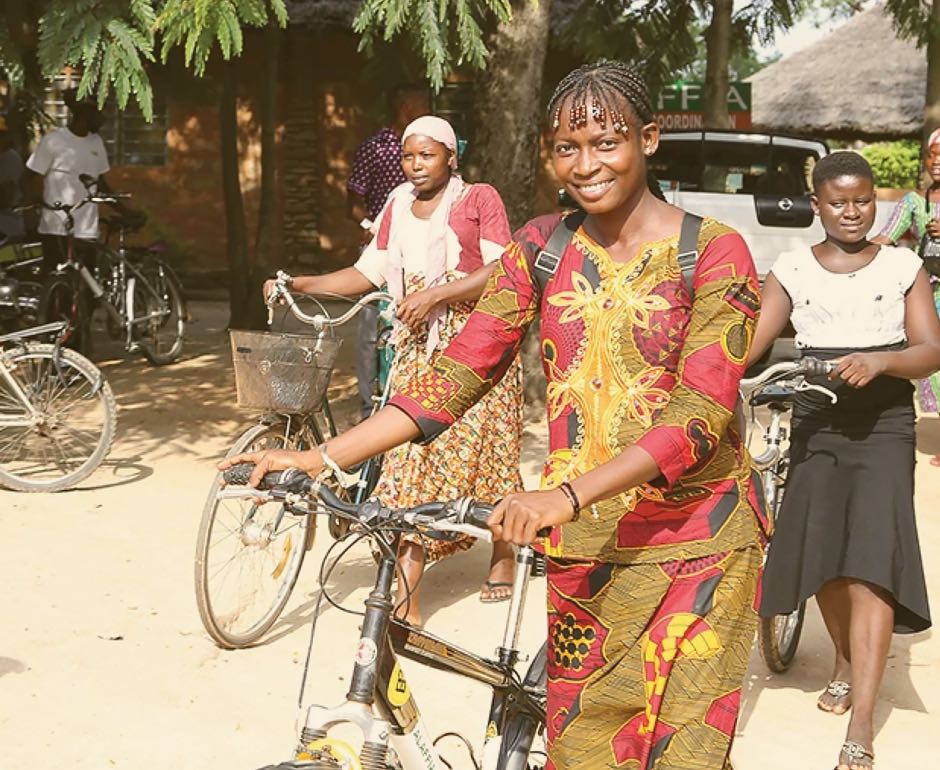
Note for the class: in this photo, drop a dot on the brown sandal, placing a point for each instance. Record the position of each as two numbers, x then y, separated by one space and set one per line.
839 690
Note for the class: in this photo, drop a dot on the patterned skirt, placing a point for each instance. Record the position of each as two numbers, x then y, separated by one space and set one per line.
478 456
928 389
646 661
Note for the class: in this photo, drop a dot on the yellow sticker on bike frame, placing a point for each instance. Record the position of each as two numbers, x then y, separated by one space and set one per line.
398 691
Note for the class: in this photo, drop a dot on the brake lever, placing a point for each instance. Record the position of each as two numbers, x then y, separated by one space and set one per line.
805 386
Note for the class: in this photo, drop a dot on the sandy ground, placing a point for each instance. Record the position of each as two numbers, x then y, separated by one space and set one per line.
104 663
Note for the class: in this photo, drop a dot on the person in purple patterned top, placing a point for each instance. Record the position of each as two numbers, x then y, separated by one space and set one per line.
376 171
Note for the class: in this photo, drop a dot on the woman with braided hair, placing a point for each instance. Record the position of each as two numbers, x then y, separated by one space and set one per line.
655 520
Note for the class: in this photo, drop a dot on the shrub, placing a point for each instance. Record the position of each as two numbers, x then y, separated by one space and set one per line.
895 164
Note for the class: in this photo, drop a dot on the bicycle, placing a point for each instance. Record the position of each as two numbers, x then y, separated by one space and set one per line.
379 701
248 557
776 388
142 298
57 413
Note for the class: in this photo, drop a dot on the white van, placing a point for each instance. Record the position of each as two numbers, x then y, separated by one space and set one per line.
758 184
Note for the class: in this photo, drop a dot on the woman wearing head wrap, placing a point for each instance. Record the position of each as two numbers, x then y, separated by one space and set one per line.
918 214
437 240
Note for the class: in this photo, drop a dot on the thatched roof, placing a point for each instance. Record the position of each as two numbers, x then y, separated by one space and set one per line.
859 82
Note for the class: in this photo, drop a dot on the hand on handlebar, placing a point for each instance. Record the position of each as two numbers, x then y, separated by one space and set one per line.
415 308
859 369
275 460
519 517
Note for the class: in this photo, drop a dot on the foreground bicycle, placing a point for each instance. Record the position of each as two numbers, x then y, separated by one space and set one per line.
57 413
776 388
380 702
248 557
142 297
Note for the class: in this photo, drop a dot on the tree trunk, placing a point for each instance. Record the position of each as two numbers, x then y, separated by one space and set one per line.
506 135
508 103
932 104
235 231
255 311
718 55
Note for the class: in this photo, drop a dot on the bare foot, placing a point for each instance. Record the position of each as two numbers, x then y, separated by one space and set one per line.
935 461
498 584
857 753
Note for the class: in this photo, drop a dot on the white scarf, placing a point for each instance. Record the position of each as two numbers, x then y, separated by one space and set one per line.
399 206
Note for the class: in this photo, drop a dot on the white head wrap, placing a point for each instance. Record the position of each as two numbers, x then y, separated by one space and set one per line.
434 128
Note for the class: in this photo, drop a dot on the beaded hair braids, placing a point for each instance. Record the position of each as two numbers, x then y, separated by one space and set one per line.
608 84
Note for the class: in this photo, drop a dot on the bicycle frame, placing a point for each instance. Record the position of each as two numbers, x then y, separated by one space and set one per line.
380 703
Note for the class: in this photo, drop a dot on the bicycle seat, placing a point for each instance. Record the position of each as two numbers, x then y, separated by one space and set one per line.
773 394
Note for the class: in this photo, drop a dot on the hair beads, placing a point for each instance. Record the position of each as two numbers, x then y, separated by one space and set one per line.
609 84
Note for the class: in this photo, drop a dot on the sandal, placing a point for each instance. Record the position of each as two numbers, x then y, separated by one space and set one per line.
490 586
855 752
838 690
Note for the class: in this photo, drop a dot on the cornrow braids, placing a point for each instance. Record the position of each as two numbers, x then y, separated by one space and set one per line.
608 84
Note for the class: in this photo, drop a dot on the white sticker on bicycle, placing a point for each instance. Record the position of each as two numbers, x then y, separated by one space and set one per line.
366 652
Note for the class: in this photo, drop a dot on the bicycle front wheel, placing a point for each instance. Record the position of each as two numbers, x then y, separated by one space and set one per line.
159 315
57 418
248 556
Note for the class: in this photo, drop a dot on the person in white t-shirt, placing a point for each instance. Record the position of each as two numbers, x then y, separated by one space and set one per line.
61 159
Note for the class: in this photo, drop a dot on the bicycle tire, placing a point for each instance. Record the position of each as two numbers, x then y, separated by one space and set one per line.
521 728
51 388
235 627
61 299
164 282
779 636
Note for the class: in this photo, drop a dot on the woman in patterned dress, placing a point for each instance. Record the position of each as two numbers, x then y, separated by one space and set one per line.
655 515
917 214
437 240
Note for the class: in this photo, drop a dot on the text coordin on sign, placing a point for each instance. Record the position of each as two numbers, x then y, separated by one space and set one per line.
681 106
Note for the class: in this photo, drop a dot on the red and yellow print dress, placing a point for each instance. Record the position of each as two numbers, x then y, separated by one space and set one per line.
651 593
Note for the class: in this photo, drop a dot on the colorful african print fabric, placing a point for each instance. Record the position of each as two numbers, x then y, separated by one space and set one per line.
629 359
645 662
478 457
650 632
909 218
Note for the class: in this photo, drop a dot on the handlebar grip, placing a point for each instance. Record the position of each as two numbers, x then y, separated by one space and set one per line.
478 515
816 367
241 473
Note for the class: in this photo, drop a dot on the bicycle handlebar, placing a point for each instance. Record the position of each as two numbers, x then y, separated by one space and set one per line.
319 321
463 515
808 366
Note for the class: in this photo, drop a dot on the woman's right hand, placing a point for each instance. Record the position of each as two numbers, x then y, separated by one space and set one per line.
268 289
933 228
269 460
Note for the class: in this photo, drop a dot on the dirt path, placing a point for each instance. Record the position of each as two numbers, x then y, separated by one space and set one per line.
104 664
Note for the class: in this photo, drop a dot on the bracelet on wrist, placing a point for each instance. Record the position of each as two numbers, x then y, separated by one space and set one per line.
572 496
329 462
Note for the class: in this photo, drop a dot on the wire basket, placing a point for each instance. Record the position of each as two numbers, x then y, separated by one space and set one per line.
286 373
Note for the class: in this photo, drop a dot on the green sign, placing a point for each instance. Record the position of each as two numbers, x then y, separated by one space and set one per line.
690 97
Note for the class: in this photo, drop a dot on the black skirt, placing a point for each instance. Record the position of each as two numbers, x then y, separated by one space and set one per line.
848 506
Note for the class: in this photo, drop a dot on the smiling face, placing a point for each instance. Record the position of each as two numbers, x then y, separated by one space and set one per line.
933 161
427 164
601 167
846 207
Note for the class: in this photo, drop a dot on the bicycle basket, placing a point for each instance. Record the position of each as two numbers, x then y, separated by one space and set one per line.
287 373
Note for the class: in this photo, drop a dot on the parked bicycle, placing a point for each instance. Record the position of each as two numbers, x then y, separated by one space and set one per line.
380 702
776 388
57 413
20 281
248 557
140 293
